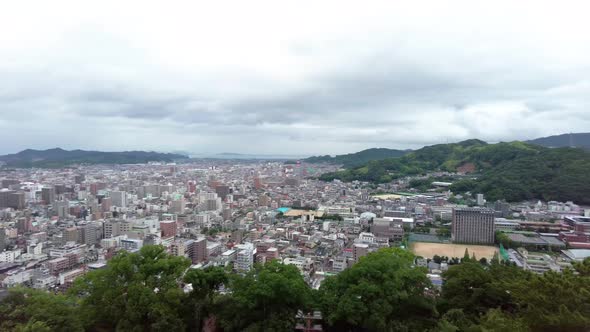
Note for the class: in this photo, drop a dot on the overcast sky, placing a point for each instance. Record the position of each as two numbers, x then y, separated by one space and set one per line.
300 77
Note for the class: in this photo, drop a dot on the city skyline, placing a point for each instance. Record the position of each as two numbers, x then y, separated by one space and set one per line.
264 78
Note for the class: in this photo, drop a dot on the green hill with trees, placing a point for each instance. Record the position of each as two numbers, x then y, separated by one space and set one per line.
384 291
513 171
54 158
359 158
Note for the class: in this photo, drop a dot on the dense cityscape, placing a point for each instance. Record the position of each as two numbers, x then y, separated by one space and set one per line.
58 225
282 166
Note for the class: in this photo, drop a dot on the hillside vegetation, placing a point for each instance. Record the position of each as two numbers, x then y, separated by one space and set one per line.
358 158
53 158
513 171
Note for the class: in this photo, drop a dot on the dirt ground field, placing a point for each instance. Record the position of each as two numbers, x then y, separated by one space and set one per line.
427 250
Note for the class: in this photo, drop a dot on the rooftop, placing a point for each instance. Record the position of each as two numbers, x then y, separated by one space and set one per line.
577 254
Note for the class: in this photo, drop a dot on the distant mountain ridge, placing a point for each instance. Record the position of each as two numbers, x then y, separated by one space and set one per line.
514 171
358 158
578 140
57 157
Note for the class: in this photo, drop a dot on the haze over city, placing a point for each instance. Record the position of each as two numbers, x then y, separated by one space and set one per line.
294 166
299 78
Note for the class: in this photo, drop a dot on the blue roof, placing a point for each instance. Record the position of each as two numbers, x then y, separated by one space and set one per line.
283 209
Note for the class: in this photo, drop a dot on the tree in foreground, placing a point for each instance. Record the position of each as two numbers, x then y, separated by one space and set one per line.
267 298
199 304
382 292
34 310
502 297
136 292
555 301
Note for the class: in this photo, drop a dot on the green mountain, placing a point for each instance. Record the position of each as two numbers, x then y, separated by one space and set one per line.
57 157
358 158
578 140
513 171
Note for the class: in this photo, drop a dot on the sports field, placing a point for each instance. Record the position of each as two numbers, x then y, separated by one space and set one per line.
427 250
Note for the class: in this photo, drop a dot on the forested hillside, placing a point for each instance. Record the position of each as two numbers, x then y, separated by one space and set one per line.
513 171
57 157
358 158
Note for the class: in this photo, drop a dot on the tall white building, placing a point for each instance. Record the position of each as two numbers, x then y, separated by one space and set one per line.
119 198
480 200
178 206
245 257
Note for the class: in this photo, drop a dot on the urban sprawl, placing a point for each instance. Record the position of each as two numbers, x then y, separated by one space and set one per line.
58 224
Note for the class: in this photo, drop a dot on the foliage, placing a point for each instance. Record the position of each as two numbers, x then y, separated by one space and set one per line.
421 184
265 299
55 158
443 232
382 292
560 301
33 310
513 171
501 297
136 291
504 240
476 289
200 301
358 158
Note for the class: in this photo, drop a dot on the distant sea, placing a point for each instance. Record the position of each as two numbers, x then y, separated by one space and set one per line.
247 156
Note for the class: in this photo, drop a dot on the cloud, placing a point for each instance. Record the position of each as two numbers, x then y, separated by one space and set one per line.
290 78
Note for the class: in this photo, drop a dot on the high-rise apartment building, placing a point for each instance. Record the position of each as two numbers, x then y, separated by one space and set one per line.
70 234
114 228
480 200
12 199
60 189
473 225
177 206
2 239
119 198
178 248
197 250
222 191
168 228
6 183
48 195
213 204
245 257
106 204
61 208
90 233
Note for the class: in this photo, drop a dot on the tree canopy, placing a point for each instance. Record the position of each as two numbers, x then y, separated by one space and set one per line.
382 292
385 291
267 298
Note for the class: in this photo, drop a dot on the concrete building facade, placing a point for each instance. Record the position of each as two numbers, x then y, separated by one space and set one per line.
473 225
